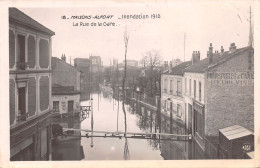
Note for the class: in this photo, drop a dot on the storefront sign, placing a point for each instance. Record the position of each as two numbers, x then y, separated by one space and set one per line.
231 78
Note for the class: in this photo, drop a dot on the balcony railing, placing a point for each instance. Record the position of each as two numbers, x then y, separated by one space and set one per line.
179 94
21 65
22 117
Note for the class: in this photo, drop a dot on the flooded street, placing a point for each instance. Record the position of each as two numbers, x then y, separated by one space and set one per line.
108 116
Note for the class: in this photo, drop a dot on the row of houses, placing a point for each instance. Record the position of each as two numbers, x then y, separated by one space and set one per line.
208 95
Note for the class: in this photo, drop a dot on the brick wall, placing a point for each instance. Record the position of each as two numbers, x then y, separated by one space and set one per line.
65 75
11 49
31 51
31 96
230 104
44 53
44 93
12 100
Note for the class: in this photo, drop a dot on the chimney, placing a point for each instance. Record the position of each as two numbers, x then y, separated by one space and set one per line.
165 65
232 47
192 57
222 50
63 57
195 57
210 54
170 67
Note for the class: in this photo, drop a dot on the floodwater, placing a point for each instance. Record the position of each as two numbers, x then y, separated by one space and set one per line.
109 116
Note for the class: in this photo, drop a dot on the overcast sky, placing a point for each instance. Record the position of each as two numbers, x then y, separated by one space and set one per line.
217 22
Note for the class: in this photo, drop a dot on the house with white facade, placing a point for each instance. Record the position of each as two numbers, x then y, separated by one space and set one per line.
172 93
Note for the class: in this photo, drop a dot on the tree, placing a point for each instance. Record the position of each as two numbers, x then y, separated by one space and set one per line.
151 60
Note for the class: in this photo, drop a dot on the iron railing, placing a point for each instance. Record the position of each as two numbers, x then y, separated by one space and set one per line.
21 65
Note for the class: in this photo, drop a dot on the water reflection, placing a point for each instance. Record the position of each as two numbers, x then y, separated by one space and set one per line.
110 114
67 146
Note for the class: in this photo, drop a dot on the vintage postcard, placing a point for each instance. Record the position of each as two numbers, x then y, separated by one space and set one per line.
129 84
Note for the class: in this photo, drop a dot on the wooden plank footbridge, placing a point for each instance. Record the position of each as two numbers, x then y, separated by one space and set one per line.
122 134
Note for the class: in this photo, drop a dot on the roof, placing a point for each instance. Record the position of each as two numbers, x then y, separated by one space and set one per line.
203 65
63 90
54 60
235 132
179 69
91 57
17 16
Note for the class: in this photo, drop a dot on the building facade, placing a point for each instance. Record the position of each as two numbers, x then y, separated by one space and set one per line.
172 93
30 48
219 94
65 100
64 74
65 87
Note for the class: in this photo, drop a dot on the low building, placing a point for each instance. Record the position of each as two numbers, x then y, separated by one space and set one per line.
65 99
172 93
219 94
30 48
65 87
132 63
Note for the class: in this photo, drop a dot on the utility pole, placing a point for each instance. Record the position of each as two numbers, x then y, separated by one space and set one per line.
92 124
250 43
117 97
184 45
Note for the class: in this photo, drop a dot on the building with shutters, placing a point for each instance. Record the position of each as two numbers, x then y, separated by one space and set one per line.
30 48
172 93
219 93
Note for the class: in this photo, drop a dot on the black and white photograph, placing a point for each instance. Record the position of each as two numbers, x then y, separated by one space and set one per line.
139 82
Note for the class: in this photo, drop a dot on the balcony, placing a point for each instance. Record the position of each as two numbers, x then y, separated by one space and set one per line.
21 65
22 117
179 94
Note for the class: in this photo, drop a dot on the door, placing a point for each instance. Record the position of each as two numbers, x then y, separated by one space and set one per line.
21 103
189 116
70 106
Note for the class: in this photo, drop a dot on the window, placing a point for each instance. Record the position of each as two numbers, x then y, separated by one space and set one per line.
179 113
199 91
22 115
165 85
20 52
56 106
179 88
190 87
194 89
171 87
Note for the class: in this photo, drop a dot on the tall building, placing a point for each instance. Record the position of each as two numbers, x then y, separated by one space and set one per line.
95 64
219 93
30 48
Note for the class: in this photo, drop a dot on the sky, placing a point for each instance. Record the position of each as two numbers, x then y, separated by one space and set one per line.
218 22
